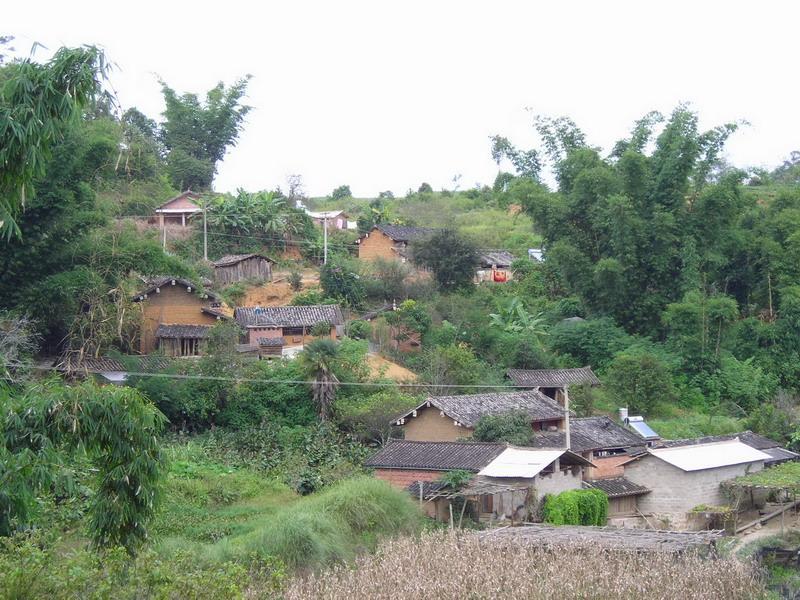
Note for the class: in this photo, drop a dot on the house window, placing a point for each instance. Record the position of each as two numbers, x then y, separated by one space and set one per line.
190 347
487 503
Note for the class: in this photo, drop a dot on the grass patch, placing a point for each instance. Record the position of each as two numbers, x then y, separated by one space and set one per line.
332 526
695 425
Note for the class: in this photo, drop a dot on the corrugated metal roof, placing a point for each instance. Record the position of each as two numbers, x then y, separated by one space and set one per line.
519 462
709 456
553 377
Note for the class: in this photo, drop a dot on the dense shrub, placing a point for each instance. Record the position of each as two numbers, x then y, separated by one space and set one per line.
593 342
577 507
513 427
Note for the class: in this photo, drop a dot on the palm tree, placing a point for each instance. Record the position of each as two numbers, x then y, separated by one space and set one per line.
318 359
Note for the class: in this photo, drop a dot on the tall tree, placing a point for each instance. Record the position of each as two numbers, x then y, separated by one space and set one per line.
36 102
451 257
197 134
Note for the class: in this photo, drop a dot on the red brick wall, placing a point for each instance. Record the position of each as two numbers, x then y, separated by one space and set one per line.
401 478
609 466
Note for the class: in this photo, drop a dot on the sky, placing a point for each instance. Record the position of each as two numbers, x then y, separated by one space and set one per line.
386 95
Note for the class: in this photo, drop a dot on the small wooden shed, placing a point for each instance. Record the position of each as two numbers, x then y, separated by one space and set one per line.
241 267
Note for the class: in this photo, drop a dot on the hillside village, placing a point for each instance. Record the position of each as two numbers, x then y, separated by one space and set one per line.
244 390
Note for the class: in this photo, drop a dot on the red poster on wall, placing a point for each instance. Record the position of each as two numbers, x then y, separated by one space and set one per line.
499 276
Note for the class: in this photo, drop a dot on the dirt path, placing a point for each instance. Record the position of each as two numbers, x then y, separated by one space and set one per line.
391 370
278 292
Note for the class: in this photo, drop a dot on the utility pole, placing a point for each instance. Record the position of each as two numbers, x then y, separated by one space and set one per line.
164 237
325 240
205 230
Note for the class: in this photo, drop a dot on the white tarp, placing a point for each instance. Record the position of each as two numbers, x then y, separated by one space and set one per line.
519 462
709 456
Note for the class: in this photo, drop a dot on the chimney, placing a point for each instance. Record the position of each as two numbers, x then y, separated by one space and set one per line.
623 414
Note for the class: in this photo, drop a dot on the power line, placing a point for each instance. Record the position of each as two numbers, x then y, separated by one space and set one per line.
284 381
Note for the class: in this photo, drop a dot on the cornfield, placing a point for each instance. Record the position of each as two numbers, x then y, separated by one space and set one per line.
446 566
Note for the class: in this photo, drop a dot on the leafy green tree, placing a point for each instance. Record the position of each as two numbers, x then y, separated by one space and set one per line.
319 359
451 258
341 192
513 427
196 134
640 381
514 318
36 102
593 342
370 418
425 188
117 426
340 279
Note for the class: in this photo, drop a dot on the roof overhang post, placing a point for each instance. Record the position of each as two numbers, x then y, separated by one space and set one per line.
566 417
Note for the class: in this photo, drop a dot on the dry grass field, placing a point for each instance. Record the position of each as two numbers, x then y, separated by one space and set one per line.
440 565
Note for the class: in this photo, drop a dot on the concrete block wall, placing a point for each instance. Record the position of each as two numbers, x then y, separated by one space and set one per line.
675 492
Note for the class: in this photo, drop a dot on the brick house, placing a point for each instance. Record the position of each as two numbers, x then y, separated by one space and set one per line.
506 481
286 327
391 242
178 210
450 418
176 316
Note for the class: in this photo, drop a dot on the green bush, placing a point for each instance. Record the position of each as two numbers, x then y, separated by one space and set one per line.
513 427
333 525
359 330
577 507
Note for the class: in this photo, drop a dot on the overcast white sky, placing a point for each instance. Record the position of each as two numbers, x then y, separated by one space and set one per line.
384 95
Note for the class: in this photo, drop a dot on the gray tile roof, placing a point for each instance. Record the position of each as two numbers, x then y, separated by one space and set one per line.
469 408
288 316
100 364
154 283
406 233
553 377
617 487
497 258
435 456
271 342
232 259
589 433
182 331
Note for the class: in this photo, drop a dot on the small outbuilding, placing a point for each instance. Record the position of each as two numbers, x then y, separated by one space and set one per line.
494 266
683 477
242 267
178 210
